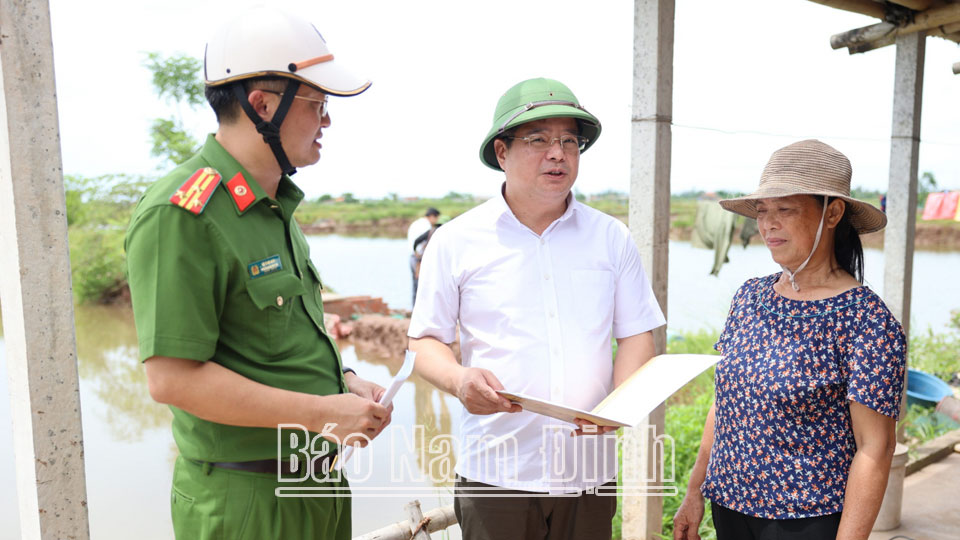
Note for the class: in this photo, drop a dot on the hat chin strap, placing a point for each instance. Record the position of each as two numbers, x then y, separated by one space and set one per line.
793 275
271 130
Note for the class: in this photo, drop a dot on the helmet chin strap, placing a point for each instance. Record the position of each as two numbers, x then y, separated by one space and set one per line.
793 275
271 130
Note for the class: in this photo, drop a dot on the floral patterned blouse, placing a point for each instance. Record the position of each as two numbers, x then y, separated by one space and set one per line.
783 440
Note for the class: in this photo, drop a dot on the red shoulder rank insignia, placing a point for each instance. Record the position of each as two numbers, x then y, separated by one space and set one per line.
196 191
240 190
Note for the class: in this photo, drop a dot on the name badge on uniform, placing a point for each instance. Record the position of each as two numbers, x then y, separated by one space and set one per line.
264 267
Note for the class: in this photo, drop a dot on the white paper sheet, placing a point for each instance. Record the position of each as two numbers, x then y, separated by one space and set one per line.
405 370
633 400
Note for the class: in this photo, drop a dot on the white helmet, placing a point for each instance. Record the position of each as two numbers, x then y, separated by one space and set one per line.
267 42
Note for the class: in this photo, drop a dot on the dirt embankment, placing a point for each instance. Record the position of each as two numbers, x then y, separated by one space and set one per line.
928 237
390 227
378 335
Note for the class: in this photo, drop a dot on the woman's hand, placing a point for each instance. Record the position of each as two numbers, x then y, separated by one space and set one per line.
686 522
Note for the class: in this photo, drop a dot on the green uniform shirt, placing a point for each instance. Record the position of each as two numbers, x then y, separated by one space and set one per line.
231 286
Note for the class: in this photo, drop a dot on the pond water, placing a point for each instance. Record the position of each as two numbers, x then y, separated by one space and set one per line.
130 452
696 300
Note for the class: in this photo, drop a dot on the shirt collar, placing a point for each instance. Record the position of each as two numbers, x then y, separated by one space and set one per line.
288 194
501 208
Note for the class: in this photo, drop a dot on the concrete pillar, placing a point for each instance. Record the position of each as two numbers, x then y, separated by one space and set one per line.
650 227
35 283
898 238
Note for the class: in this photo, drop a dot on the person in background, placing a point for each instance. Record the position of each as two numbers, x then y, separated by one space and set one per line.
227 301
537 284
799 440
417 235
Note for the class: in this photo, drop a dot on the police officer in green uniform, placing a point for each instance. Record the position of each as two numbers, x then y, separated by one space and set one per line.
227 302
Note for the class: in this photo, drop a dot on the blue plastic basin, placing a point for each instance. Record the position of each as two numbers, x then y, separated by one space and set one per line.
925 389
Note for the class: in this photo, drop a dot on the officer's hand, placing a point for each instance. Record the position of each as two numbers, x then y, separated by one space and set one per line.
362 387
585 427
367 389
477 390
356 420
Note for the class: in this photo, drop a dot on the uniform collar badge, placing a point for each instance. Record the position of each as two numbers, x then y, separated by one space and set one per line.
243 196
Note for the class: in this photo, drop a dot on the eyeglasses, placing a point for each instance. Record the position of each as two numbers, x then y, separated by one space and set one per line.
323 102
571 144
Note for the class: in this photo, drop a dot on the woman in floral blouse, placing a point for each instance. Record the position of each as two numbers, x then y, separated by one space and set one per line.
799 441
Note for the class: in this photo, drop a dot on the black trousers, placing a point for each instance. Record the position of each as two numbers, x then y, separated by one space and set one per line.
520 515
732 525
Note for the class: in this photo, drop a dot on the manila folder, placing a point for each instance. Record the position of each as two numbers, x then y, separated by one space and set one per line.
633 400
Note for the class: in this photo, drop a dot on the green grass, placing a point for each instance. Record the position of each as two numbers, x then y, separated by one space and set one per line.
937 353
373 211
686 413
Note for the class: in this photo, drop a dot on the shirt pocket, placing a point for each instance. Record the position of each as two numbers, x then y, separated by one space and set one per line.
593 293
274 297
317 284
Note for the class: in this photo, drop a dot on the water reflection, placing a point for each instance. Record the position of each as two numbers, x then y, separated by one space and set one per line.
109 366
435 450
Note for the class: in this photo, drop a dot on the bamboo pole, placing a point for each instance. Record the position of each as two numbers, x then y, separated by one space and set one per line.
418 524
892 38
932 18
865 35
886 41
863 7
440 519
916 5
942 17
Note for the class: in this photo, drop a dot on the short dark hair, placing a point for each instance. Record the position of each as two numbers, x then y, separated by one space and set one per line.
432 212
224 102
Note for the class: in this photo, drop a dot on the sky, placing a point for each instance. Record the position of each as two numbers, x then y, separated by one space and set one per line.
750 76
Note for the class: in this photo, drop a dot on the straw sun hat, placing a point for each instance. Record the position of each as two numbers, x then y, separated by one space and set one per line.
809 168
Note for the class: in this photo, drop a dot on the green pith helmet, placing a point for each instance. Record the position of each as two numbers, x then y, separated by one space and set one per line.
536 99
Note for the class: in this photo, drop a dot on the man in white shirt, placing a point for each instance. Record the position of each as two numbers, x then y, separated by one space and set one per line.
417 235
538 284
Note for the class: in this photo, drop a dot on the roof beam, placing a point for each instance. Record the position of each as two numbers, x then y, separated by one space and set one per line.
940 21
916 5
863 7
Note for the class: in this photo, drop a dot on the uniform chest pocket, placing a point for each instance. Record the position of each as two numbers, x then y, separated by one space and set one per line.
274 297
275 291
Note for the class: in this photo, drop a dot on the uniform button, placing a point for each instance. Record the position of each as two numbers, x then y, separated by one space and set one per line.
552 314
546 277
280 301
274 206
542 241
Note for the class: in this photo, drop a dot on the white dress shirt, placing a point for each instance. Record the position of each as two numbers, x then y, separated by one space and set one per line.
537 311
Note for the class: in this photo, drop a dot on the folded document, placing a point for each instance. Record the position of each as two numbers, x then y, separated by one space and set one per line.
633 400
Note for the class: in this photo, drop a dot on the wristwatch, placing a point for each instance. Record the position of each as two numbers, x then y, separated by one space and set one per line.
348 370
